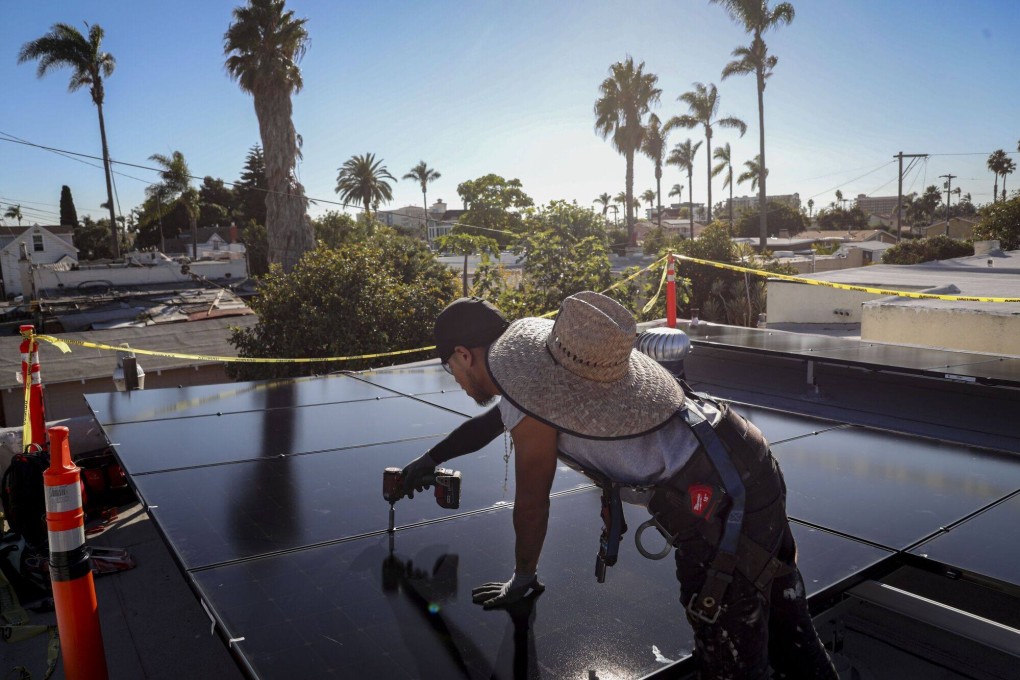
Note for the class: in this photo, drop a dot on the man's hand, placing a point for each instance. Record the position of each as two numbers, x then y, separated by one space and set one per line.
496 594
415 474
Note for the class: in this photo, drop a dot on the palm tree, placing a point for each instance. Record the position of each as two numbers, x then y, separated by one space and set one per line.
175 185
605 200
810 207
725 158
654 146
682 156
263 46
423 174
64 45
14 213
625 97
703 103
757 19
996 162
839 198
753 173
362 179
1007 169
649 197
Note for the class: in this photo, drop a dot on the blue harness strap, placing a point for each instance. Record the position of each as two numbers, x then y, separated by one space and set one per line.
706 605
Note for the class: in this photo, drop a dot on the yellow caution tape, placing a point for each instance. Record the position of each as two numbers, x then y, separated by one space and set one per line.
205 357
651 303
26 428
845 286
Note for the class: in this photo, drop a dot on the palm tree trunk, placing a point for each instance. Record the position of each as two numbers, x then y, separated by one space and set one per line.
115 241
658 193
194 236
690 198
289 233
763 225
465 274
629 208
995 189
731 201
425 204
708 157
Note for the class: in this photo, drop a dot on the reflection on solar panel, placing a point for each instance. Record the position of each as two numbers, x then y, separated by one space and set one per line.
269 496
966 366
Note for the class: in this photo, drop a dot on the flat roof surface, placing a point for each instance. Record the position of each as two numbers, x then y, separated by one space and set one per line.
269 497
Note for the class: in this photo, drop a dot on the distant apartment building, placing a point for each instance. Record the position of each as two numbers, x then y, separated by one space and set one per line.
441 220
409 218
750 203
876 205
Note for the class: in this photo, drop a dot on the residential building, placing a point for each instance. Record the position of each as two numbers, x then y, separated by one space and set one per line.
750 203
876 205
410 218
441 220
957 227
216 242
37 247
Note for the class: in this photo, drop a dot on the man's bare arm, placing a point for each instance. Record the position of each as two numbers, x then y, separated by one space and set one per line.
535 467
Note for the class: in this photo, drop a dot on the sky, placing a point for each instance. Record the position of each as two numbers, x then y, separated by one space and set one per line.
509 88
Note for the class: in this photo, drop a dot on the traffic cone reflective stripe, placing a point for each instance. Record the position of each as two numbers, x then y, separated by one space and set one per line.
74 592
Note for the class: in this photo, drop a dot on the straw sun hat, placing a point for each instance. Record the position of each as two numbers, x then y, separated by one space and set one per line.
581 373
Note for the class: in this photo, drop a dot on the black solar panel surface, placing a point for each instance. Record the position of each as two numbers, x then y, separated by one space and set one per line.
274 509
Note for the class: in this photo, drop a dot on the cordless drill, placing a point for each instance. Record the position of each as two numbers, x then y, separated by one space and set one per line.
446 483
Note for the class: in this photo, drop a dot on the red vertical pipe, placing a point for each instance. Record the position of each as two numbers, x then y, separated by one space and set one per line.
670 292
30 367
74 592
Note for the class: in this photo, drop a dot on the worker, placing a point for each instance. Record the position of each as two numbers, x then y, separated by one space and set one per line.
576 389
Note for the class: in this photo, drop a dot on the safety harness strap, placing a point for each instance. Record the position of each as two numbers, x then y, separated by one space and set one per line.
706 604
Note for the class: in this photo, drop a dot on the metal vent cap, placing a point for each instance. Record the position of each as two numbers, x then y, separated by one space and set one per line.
664 344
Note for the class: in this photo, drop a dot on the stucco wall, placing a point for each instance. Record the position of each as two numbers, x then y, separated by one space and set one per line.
960 329
803 303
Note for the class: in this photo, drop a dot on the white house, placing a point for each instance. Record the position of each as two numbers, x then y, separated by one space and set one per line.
41 247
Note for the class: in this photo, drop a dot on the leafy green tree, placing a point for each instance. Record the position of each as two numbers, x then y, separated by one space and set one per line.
920 250
92 239
256 246
215 202
757 18
1001 221
68 213
725 158
174 189
493 205
466 245
362 179
654 146
838 218
682 156
251 189
63 46
363 298
618 241
703 103
335 228
567 219
263 47
13 212
781 217
423 174
624 99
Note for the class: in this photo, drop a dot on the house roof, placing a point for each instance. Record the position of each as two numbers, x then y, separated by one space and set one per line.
209 338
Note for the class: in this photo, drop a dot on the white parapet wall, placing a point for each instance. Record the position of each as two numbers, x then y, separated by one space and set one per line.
968 330
47 280
790 302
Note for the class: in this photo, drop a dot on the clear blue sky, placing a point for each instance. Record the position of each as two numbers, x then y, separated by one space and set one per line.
474 88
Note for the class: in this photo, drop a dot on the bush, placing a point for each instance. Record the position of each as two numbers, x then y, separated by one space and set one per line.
921 250
1001 221
363 298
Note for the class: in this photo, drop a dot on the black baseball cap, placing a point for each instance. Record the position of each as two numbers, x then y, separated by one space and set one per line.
469 322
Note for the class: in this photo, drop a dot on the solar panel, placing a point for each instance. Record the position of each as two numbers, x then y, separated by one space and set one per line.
889 488
855 352
199 400
350 610
987 544
228 512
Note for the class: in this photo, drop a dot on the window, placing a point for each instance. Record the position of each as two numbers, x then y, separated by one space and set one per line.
37 243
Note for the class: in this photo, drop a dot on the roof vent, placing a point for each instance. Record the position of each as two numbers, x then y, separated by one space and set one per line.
668 346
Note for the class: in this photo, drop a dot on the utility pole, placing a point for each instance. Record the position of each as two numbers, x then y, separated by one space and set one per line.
899 192
949 189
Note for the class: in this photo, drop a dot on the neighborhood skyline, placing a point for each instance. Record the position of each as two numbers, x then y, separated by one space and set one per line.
490 89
